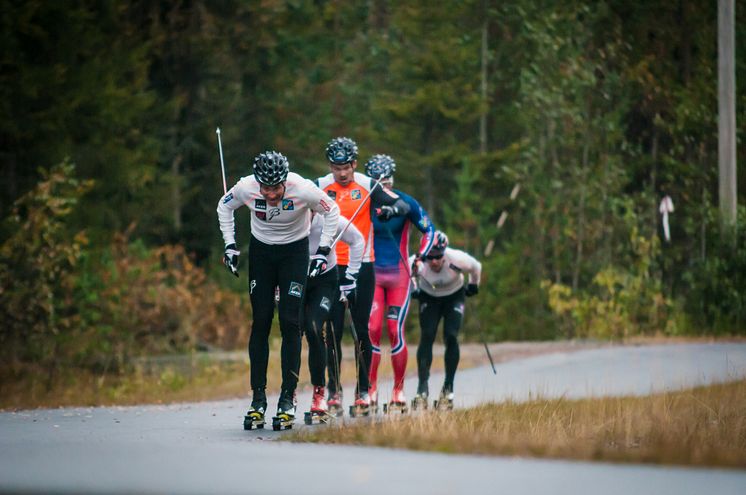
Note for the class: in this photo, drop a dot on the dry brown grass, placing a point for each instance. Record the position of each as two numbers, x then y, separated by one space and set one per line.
704 426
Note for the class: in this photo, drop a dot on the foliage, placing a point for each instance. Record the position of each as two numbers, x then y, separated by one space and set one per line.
63 303
597 109
38 265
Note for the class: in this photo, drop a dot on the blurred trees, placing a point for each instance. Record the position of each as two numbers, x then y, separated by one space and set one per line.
597 109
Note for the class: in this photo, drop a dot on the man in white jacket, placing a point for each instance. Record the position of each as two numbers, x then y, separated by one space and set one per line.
441 293
281 203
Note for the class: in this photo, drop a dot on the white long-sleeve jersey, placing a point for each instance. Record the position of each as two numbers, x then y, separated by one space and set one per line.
287 222
451 277
351 236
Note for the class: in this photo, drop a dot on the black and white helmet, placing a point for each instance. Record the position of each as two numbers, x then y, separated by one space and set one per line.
341 150
440 243
380 167
271 168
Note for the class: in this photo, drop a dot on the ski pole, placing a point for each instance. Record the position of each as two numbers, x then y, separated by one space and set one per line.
222 164
492 363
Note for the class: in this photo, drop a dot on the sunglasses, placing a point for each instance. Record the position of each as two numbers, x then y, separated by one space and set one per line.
434 257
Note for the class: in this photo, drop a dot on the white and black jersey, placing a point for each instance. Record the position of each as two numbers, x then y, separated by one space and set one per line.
288 221
351 236
451 277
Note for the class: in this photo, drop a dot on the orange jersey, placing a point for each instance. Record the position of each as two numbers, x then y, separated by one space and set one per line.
349 198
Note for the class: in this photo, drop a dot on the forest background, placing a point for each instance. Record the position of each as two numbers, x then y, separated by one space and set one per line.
575 118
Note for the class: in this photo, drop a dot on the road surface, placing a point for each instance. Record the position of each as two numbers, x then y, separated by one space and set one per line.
202 448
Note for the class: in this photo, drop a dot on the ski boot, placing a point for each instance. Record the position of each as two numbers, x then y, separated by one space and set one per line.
319 412
254 418
445 402
420 400
285 416
398 402
335 404
373 393
361 407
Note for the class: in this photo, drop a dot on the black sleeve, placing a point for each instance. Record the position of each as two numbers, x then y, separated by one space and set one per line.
379 197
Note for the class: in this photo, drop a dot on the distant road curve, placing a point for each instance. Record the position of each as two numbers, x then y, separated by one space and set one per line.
201 448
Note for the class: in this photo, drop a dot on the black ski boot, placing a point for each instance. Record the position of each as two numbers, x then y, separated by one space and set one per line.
419 402
445 401
254 418
285 411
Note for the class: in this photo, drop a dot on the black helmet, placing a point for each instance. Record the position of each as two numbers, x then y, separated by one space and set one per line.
440 243
341 150
271 168
380 167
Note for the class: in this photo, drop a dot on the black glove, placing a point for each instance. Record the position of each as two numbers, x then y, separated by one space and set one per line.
348 288
318 261
471 290
230 258
386 212
416 294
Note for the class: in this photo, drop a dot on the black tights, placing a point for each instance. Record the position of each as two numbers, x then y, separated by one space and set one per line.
284 266
432 309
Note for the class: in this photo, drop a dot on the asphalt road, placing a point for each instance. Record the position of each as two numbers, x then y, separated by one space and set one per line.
202 448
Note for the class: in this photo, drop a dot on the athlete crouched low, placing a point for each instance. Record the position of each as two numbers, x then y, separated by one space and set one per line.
280 202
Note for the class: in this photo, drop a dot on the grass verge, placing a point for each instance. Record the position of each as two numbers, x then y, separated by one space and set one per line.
704 426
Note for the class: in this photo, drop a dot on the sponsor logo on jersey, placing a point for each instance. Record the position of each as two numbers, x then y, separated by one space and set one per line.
273 213
260 204
356 194
251 286
393 313
332 194
261 215
227 197
325 303
287 204
296 289
459 308
454 268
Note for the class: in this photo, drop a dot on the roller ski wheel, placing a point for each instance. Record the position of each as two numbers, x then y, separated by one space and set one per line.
316 418
444 403
419 403
336 411
282 422
334 405
254 420
361 407
395 407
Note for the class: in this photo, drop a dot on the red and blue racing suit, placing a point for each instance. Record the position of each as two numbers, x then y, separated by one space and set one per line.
393 278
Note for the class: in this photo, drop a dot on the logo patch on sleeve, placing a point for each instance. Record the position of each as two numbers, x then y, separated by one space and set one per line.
260 204
287 204
355 194
296 289
228 197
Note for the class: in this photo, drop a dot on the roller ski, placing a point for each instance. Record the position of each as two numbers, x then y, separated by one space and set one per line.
334 405
419 402
319 413
373 393
285 412
361 407
445 401
398 403
254 418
